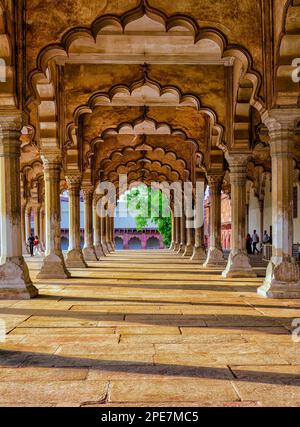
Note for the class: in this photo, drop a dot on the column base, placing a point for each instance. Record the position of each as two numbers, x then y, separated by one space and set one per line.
188 252
282 280
54 267
100 251
176 247
105 248
15 282
199 254
172 247
110 246
181 249
238 266
75 259
89 254
215 258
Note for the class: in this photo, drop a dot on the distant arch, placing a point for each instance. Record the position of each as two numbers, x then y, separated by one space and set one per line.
153 243
134 244
119 243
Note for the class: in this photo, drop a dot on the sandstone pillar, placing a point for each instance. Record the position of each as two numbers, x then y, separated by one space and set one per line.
238 262
199 253
113 234
215 256
261 219
53 264
182 234
14 275
177 234
36 216
173 243
190 240
108 233
97 228
23 228
103 236
42 222
28 222
89 252
74 256
282 278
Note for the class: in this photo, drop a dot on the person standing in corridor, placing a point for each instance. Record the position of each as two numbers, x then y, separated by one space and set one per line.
31 243
255 242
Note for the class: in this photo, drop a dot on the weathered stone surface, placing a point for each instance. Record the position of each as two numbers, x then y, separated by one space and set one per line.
167 347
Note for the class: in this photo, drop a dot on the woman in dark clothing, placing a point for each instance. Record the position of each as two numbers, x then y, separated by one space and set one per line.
249 244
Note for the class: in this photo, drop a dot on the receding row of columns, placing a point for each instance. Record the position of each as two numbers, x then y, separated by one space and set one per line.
282 279
283 276
15 221
98 231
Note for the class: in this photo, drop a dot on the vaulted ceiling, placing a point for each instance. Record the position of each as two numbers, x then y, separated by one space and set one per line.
150 88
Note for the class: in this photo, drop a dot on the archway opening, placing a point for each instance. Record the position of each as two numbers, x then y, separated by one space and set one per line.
152 243
143 219
134 244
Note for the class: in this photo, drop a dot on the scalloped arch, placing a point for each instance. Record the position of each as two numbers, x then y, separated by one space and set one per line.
123 156
131 125
240 57
288 50
7 67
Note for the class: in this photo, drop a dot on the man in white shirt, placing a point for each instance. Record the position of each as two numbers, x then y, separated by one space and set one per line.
255 242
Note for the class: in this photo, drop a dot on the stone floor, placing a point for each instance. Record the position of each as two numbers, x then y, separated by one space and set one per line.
148 329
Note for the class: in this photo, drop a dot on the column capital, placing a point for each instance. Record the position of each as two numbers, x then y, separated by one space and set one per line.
51 157
10 122
96 197
87 192
238 162
74 180
215 181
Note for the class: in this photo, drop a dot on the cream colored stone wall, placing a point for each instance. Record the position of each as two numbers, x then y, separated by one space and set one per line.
254 214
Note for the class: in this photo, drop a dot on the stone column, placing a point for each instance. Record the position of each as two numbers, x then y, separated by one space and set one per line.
74 257
42 222
28 221
190 239
172 246
247 218
15 282
199 253
23 228
108 233
97 228
282 278
113 234
182 234
53 264
103 236
36 216
238 262
261 219
177 234
215 256
89 252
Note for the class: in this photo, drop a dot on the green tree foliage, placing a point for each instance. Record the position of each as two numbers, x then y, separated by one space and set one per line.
146 204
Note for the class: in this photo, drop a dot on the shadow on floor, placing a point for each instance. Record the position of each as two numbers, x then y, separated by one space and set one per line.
19 359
